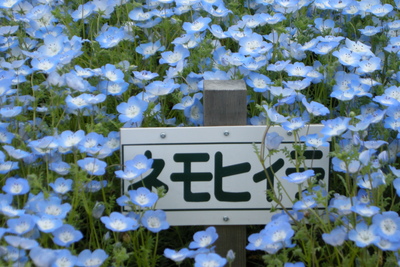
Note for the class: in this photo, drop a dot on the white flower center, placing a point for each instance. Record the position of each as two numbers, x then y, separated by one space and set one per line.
205 241
153 222
53 210
66 236
22 227
142 199
118 224
16 188
45 224
388 226
132 111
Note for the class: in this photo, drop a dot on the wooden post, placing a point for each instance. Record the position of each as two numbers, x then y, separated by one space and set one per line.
225 104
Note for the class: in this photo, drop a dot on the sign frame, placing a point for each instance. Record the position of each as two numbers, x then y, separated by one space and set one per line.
136 139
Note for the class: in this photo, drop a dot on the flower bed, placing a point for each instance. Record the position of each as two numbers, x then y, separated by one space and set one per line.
73 73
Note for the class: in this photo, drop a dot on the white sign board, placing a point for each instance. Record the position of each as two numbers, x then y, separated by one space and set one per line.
212 174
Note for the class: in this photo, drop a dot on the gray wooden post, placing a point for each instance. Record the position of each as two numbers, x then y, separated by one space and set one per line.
225 104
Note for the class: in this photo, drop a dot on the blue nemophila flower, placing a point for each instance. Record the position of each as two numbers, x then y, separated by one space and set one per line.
363 235
93 166
11 254
236 59
209 259
350 165
370 65
21 225
91 259
251 64
83 11
299 84
94 186
66 235
298 69
64 258
15 153
278 65
296 123
386 245
252 21
155 220
273 140
336 237
21 242
272 19
10 111
195 113
42 256
7 209
8 4
365 210
323 48
113 88
159 88
299 177
16 186
135 167
48 223
60 167
82 72
255 241
380 10
5 136
253 45
341 204
359 48
118 222
296 264
326 26
144 75
315 108
52 206
61 185
113 74
280 232
45 64
387 226
110 36
307 202
91 143
313 140
129 173
347 58
335 127
187 101
273 115
172 58
68 139
217 31
204 239
132 111
143 197
138 14
149 49
199 25
98 210
76 103
177 256
259 82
